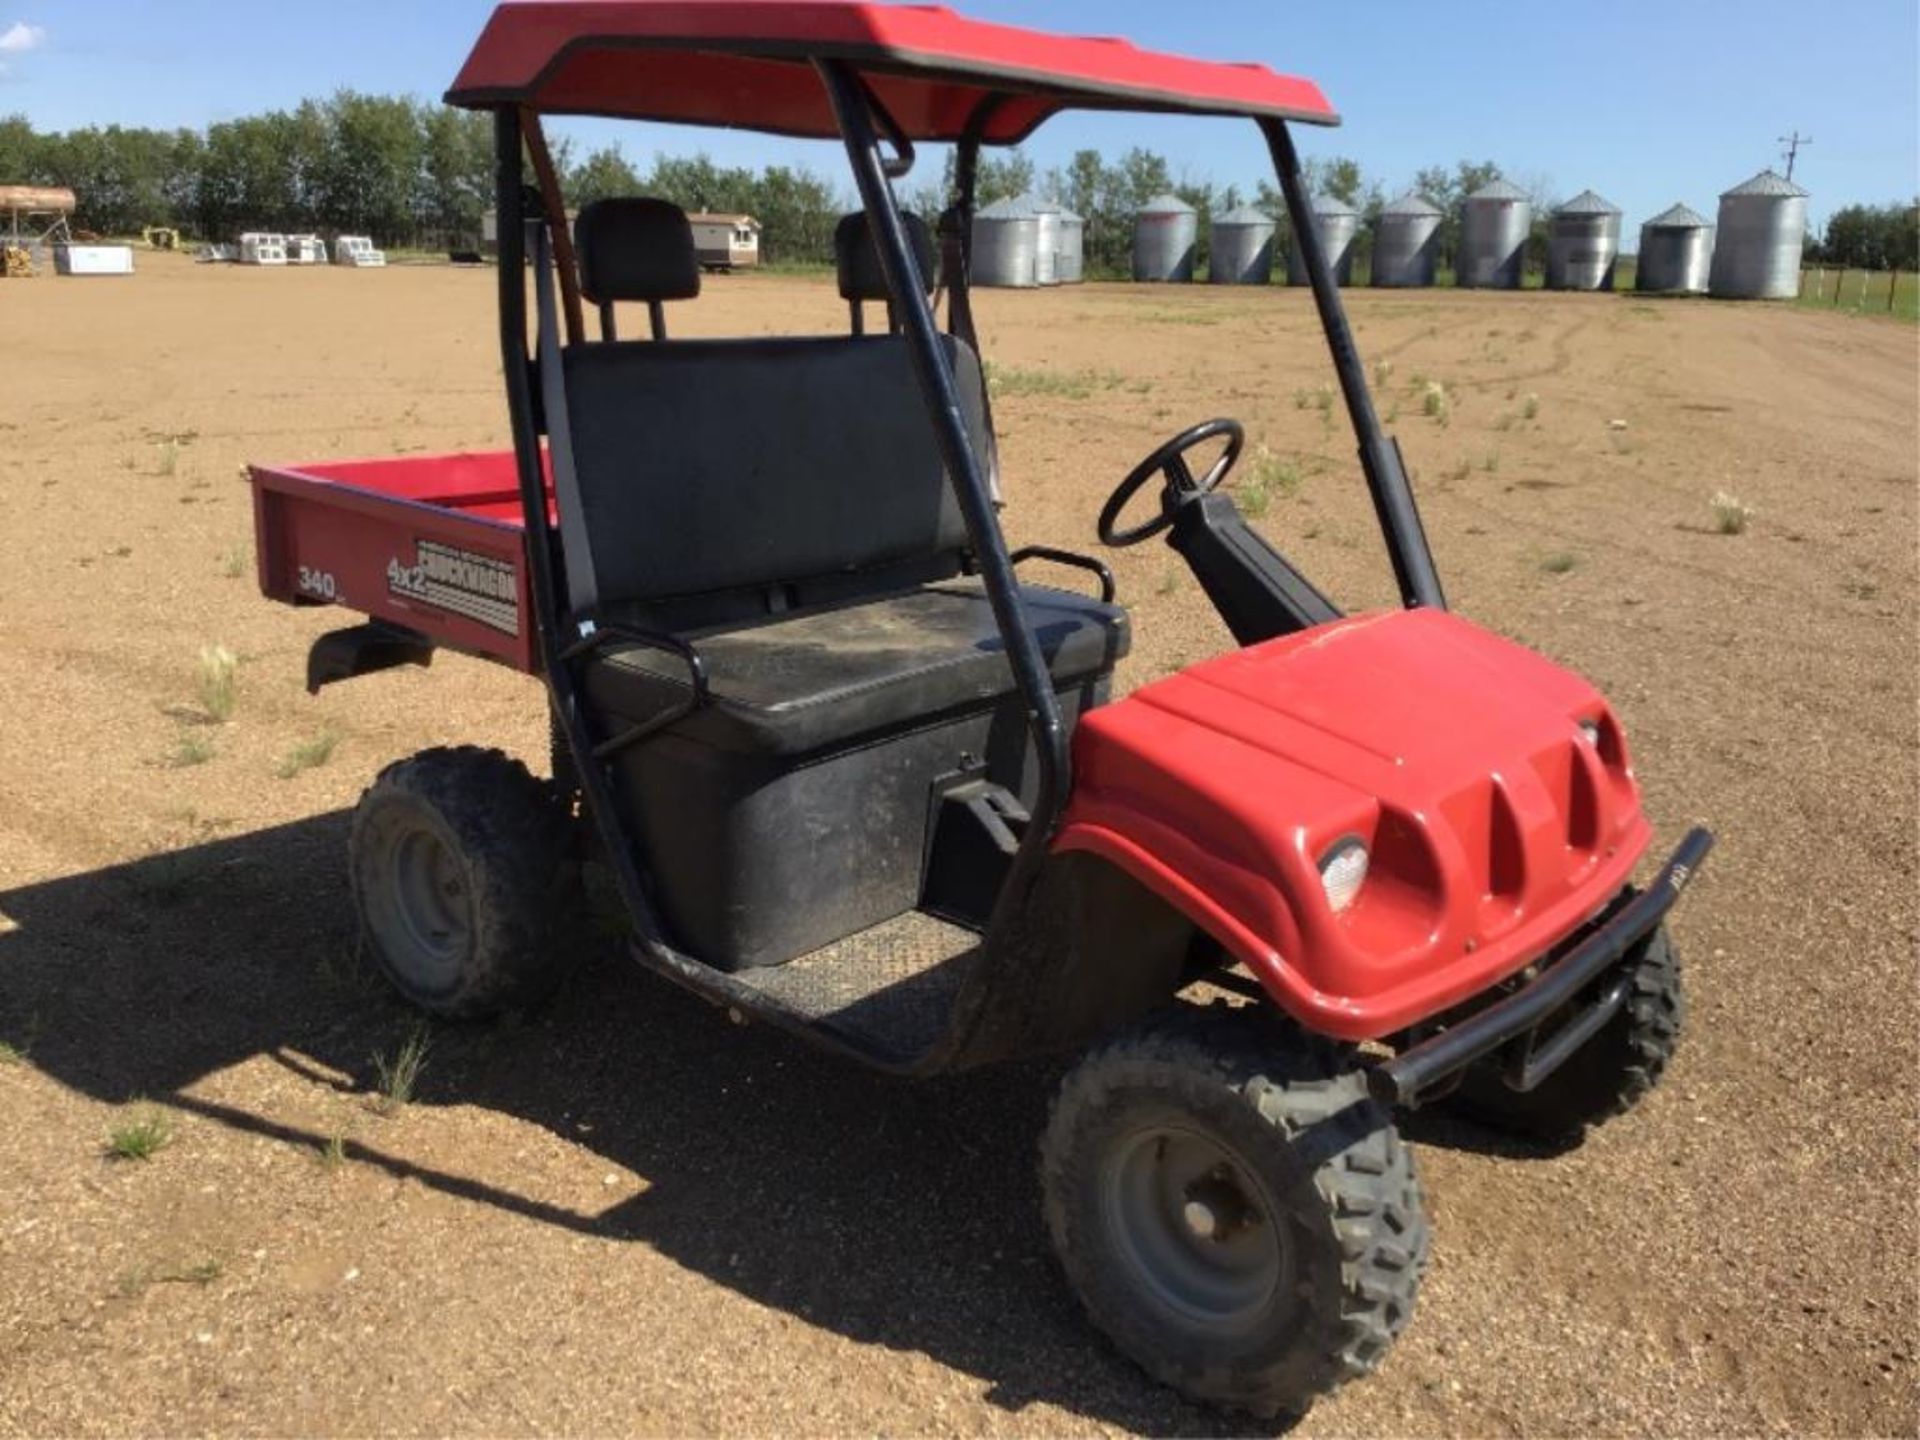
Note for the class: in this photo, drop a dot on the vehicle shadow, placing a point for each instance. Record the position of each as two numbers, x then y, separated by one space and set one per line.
902 1214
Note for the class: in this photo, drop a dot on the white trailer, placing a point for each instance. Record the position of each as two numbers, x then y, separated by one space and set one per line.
263 247
726 242
306 250
358 251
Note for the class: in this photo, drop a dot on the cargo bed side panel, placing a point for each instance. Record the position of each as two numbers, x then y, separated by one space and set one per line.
450 565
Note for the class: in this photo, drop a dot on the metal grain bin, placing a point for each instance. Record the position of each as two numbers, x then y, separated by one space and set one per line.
1166 235
1006 245
1046 248
1493 237
1583 244
1337 224
1763 225
1406 243
1676 251
1070 263
1242 249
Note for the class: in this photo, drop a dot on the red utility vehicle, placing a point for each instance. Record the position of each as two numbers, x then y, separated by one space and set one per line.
856 776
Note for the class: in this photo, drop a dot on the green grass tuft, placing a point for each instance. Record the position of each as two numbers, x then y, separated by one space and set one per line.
309 754
1054 384
398 1075
1530 409
190 749
142 1137
1560 562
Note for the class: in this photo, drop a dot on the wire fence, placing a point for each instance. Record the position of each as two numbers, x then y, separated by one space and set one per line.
1863 292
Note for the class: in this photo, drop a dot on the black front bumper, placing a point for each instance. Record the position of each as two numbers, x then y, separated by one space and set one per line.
1416 1071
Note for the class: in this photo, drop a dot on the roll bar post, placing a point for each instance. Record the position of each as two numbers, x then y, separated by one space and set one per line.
1380 458
966 472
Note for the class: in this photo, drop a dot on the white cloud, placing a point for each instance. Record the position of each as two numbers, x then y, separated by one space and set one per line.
21 37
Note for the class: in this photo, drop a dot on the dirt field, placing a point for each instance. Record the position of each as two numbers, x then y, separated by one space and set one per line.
625 1215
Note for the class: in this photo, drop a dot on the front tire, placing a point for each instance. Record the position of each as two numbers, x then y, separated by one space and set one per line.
1609 1075
465 881
1233 1210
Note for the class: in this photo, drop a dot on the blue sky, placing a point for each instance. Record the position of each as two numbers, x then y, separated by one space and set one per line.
1646 102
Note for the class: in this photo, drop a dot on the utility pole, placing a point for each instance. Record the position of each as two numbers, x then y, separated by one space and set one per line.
1793 142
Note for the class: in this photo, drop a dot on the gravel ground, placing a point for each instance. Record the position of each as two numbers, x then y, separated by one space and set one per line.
625 1214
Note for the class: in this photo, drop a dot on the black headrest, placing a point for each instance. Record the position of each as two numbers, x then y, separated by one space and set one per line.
859 263
635 248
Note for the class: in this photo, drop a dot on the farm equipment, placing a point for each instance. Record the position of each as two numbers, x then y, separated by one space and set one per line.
160 237
856 776
34 218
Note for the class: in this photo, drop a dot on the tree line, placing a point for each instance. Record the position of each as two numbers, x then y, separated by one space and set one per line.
1871 237
400 170
413 173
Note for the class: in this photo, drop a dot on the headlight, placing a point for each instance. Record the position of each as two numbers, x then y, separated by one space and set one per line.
1591 729
1343 869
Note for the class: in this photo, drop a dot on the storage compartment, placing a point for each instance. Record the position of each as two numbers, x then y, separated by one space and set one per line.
757 860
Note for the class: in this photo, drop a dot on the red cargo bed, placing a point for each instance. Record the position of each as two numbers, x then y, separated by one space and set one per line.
435 543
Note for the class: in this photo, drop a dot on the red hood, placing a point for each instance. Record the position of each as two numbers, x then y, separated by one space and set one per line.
1495 825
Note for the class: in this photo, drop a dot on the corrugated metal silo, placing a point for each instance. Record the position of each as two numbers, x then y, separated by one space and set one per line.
1583 244
1406 243
1046 242
1493 237
1763 225
1166 234
1676 253
1242 248
1338 223
1006 241
1070 265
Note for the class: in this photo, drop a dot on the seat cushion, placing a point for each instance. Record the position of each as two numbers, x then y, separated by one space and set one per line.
820 678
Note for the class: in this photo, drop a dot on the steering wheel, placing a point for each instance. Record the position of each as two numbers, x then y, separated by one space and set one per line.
1181 488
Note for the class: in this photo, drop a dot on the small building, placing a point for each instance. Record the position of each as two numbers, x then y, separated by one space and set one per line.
726 242
357 251
263 247
306 250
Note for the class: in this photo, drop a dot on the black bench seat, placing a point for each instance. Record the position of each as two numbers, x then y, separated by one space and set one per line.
812 679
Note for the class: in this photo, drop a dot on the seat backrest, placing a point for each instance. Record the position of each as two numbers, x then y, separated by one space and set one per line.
710 466
633 247
857 262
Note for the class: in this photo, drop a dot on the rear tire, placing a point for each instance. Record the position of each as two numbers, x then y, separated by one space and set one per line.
1233 1210
465 881
1609 1075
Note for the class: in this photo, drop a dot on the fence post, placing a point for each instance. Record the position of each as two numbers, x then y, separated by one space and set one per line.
1893 289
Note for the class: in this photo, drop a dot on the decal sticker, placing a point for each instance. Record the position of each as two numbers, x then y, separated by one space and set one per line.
476 586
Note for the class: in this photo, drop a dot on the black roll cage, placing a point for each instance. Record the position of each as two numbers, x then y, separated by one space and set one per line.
531 395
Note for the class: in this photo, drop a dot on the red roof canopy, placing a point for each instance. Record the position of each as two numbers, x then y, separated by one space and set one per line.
747 63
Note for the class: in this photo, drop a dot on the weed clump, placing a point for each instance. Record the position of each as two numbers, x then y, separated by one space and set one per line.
143 1136
219 669
1730 516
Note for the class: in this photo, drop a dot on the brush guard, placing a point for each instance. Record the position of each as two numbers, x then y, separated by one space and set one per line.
1417 1073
